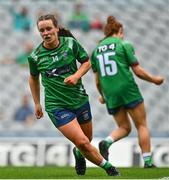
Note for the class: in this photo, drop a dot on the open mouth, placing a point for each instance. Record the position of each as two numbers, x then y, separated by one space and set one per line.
47 38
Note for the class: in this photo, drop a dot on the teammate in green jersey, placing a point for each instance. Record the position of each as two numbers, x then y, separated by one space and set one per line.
111 62
66 101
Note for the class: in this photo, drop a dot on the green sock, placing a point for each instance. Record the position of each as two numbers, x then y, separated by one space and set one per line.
148 161
147 158
105 165
109 141
78 153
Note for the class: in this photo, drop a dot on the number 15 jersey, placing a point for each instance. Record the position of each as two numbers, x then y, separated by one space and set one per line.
112 59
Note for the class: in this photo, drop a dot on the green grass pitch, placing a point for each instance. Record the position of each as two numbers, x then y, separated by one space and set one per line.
69 173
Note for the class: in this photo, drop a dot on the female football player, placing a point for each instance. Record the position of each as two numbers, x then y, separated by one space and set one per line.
66 101
111 62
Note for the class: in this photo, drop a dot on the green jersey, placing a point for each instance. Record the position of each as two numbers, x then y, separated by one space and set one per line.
112 59
54 66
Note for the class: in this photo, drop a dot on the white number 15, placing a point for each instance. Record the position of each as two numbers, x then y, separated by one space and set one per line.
107 65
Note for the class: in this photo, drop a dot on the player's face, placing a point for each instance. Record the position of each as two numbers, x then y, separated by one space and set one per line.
48 32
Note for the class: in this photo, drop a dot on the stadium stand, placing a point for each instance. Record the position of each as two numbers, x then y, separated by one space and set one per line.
146 25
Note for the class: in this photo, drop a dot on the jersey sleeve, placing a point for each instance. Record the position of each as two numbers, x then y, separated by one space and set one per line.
33 66
79 52
130 53
93 62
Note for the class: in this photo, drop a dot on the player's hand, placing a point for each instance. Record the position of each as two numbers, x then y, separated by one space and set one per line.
38 111
101 99
71 80
158 80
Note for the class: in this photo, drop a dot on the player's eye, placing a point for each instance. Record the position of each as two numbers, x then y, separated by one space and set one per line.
41 30
49 28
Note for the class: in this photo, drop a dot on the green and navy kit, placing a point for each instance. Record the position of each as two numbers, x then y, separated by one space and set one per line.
54 66
112 59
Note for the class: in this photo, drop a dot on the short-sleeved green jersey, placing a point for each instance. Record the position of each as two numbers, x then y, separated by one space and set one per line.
112 59
54 66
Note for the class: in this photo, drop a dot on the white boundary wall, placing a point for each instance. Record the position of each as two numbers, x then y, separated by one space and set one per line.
58 151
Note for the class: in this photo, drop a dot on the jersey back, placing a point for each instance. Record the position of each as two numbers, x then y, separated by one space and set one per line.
112 59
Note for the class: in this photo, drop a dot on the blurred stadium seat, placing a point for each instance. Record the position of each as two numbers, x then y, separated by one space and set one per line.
146 24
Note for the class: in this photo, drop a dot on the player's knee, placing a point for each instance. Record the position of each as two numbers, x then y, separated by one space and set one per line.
140 125
83 144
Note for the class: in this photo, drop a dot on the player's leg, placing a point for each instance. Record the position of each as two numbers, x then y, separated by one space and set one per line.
87 129
74 133
84 117
138 116
124 128
80 162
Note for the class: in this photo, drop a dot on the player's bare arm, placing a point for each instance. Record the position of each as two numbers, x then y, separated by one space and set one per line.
143 74
83 69
101 99
35 90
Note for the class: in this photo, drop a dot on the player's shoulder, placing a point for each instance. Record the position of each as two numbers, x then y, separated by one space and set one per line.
95 49
67 38
34 54
70 41
99 43
127 43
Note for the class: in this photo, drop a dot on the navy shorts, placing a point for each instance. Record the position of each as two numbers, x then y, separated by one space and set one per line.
61 117
130 105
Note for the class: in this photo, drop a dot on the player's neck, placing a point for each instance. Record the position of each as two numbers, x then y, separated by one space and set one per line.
52 45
